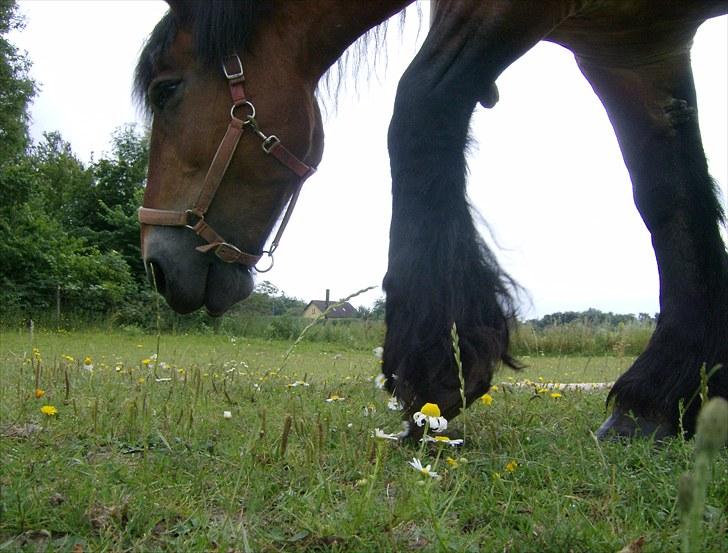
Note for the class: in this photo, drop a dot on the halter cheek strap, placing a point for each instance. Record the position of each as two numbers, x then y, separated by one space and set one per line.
194 218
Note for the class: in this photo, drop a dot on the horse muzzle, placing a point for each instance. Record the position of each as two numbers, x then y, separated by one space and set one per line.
188 279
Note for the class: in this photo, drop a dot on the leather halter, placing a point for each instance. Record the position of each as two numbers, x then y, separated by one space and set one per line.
194 218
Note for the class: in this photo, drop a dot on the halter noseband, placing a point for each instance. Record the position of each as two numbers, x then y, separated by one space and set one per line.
194 218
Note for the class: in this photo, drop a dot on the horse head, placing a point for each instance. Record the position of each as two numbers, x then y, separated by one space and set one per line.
236 130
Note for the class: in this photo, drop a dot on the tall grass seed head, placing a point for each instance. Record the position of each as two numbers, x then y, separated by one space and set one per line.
712 428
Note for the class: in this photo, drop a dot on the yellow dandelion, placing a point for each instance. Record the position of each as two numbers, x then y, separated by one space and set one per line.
49 410
512 466
39 393
555 395
146 362
486 399
493 388
452 463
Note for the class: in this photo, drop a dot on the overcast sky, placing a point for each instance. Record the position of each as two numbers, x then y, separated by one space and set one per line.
546 172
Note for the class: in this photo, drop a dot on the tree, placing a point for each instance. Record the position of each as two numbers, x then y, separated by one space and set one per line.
377 312
62 181
16 88
109 208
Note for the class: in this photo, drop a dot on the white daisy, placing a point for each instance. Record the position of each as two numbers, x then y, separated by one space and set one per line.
427 471
443 440
430 414
394 404
382 435
378 352
380 380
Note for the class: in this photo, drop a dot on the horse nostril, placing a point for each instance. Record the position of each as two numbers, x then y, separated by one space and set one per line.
156 277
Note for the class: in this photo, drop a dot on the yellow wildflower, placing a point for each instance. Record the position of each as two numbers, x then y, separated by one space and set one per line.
555 395
512 465
487 399
39 393
452 463
49 410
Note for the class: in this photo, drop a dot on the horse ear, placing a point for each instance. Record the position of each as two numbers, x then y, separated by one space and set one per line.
182 9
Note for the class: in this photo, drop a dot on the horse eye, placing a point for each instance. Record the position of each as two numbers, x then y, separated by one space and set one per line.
162 92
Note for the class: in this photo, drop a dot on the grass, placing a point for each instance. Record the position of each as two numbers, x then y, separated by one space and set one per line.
138 461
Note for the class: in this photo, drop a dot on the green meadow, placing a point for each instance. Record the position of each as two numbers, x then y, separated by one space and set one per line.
221 443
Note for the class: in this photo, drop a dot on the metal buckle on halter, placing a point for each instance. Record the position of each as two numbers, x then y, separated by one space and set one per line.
269 142
227 252
239 73
192 223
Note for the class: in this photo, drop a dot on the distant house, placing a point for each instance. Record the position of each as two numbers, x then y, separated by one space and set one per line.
316 307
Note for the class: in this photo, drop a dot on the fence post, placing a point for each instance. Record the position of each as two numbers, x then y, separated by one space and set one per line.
58 307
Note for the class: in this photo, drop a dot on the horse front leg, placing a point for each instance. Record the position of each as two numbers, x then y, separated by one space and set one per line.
440 271
653 109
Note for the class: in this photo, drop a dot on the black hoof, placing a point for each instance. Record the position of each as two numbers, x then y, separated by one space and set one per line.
622 424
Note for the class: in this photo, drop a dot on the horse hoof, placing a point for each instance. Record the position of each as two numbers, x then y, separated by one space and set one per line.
621 424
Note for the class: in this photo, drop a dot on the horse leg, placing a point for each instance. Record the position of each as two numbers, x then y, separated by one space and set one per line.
440 271
653 109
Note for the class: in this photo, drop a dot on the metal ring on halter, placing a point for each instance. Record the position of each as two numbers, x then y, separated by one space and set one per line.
250 116
272 262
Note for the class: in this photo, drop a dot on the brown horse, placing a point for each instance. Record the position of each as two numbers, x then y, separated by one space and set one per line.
237 130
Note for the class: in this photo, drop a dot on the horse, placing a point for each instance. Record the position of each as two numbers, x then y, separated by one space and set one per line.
237 129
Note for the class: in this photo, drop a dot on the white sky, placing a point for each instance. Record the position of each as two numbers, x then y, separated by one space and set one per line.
546 175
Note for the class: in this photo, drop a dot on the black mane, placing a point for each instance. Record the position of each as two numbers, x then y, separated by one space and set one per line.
218 29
